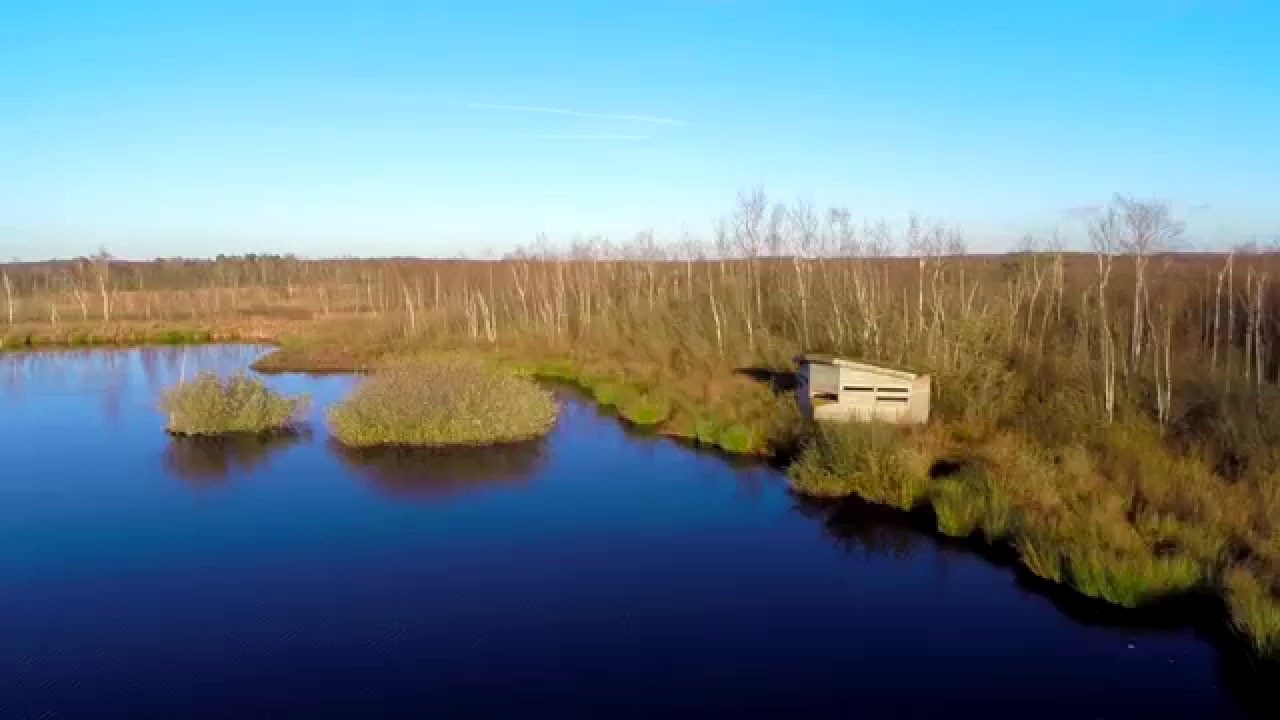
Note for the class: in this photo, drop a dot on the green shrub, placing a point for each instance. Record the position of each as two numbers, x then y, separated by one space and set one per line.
706 431
611 394
858 459
738 439
1131 578
997 521
445 401
959 505
1041 557
209 405
967 500
645 410
1254 611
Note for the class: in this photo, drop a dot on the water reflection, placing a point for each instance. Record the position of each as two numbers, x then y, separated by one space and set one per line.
438 474
857 526
110 374
869 530
208 461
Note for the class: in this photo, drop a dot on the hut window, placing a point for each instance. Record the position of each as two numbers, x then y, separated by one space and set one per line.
892 399
896 390
859 388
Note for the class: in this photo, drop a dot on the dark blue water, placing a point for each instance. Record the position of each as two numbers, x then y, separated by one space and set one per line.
596 573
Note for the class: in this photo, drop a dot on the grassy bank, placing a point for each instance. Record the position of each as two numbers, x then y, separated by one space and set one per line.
744 419
443 401
1110 513
115 335
1111 414
210 406
1068 512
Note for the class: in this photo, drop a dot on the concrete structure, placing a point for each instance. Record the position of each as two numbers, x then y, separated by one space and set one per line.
832 388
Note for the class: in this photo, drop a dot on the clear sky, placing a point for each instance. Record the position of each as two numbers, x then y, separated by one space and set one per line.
429 128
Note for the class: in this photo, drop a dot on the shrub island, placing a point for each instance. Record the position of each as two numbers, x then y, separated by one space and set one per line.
442 402
209 405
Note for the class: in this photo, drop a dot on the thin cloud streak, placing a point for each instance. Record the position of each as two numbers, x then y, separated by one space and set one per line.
603 137
651 119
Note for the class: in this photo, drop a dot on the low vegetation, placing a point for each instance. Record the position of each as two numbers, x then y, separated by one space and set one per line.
443 401
1115 411
210 405
959 506
78 335
1254 609
843 459
745 419
1067 522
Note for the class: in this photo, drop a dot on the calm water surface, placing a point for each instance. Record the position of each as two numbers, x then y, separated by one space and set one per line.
596 573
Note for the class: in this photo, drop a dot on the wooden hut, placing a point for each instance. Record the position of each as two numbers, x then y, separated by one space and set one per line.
832 388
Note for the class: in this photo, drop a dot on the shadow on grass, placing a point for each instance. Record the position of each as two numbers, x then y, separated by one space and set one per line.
779 381
433 475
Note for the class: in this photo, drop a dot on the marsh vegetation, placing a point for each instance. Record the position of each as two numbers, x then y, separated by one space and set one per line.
443 401
1110 412
209 405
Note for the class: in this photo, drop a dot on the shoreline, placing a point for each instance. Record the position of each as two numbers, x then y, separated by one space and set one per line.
1204 606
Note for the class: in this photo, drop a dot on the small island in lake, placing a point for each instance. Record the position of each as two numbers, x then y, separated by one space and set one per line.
209 405
442 402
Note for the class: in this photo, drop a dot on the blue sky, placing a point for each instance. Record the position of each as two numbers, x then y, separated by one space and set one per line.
438 128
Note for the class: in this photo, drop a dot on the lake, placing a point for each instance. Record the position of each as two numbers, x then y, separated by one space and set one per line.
598 573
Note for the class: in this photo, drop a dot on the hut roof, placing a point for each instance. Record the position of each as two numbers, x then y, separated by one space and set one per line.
828 359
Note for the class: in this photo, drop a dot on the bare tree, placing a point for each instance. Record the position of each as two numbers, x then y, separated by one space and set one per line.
1150 228
8 296
101 263
1105 237
1217 312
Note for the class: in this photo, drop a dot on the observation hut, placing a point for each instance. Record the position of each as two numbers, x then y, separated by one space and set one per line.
832 388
